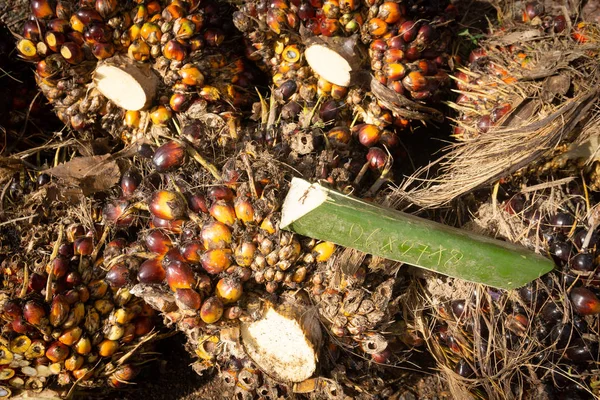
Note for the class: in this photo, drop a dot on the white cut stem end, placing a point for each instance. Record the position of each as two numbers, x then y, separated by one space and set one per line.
129 85
302 198
280 347
329 64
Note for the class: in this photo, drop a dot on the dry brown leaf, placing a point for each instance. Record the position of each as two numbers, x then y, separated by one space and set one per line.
91 174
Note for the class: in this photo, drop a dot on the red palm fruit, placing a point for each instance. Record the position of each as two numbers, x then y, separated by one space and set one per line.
499 112
34 313
12 309
73 279
84 294
394 71
102 51
173 50
369 134
169 156
55 40
173 11
196 202
559 23
108 347
213 37
59 310
179 102
173 226
179 275
340 135
223 212
276 19
393 56
151 271
107 8
158 242
160 115
58 25
585 301
70 336
130 181
229 289
477 54
391 12
211 310
377 158
57 352
19 325
244 254
532 9
63 9
59 267
42 9
414 81
83 246
72 53
215 235
216 261
244 210
377 27
118 276
425 35
408 31
220 193
143 325
378 45
413 53
329 26
484 124
192 251
97 32
173 255
33 30
37 282
167 205
117 213
27 49
188 299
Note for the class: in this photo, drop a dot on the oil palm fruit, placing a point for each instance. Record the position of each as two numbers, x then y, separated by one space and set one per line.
89 55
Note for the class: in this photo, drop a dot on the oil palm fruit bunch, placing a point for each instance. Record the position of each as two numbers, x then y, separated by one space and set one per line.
316 50
66 321
488 87
550 324
357 305
121 66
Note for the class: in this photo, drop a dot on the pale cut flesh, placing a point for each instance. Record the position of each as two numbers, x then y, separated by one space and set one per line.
329 64
280 347
126 84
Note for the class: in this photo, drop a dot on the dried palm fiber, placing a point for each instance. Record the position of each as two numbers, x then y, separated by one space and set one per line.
524 94
535 342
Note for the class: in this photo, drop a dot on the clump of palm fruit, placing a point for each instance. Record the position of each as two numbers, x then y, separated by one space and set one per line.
519 104
66 321
317 53
123 66
482 337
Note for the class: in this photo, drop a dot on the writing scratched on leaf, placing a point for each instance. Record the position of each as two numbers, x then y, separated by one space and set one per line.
414 251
